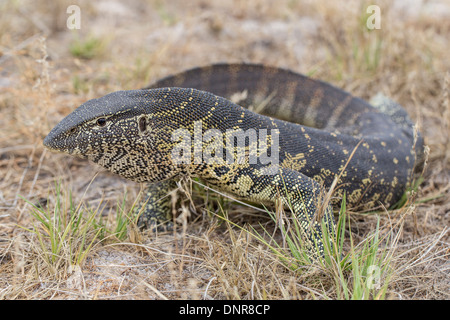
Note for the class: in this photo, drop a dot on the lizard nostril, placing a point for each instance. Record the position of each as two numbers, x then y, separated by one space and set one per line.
142 124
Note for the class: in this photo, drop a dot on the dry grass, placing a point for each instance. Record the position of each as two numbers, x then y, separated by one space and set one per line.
41 81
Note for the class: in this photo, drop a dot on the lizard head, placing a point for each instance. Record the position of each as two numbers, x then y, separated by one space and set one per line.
119 132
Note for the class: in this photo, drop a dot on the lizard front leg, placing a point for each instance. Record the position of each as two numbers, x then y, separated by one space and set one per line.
296 191
155 208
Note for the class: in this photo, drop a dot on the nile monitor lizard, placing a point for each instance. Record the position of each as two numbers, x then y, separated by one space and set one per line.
305 134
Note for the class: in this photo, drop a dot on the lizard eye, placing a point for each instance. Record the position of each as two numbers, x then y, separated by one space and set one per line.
101 122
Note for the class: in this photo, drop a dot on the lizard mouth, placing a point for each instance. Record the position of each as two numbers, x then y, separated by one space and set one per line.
51 140
50 144
47 142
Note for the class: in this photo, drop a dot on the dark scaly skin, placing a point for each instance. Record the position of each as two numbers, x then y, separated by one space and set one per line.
136 142
155 211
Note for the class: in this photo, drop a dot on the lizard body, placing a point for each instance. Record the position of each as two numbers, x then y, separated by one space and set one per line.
305 134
